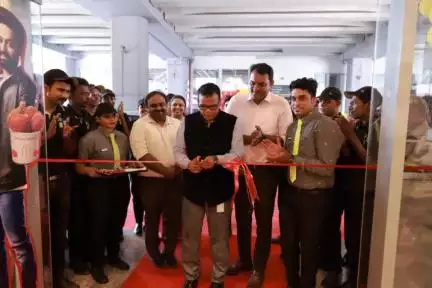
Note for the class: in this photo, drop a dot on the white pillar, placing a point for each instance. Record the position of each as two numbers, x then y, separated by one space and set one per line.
178 76
130 54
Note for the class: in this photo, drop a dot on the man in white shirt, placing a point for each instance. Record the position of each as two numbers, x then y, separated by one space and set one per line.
264 116
152 139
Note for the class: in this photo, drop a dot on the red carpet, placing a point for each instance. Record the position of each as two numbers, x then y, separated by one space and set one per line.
146 275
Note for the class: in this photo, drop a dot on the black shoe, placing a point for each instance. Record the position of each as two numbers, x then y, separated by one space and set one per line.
138 230
238 267
80 268
119 264
216 285
158 261
170 260
256 280
276 240
98 275
190 284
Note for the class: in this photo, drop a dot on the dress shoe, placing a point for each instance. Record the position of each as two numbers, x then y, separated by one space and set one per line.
119 264
98 275
80 268
170 260
138 230
216 285
158 261
191 284
276 240
256 280
238 267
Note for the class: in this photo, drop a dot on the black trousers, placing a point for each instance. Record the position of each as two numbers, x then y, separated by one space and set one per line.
161 196
78 220
58 194
331 244
138 207
302 215
266 181
358 229
108 199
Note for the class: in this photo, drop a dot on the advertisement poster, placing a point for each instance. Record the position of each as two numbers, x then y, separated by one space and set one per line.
19 203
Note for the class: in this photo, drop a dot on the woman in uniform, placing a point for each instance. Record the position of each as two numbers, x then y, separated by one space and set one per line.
108 195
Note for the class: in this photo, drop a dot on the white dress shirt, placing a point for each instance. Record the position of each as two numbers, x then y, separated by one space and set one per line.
148 136
237 147
273 115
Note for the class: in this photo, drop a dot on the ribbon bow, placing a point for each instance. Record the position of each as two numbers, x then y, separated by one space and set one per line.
235 166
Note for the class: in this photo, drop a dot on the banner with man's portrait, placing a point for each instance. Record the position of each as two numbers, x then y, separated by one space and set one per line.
21 257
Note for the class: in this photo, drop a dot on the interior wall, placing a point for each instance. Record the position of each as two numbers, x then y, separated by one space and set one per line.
286 68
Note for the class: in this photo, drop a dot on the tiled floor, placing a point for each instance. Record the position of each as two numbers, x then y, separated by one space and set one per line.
414 254
132 250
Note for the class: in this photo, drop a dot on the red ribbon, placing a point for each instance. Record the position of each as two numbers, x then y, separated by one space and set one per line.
250 184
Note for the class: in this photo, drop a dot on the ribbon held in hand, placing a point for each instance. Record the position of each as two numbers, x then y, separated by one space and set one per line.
251 190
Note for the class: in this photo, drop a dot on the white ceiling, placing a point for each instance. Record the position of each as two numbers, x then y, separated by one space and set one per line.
233 27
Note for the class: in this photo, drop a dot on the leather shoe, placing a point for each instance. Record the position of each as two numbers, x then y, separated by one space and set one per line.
158 261
80 268
191 284
170 260
238 267
119 264
256 280
216 285
138 230
98 275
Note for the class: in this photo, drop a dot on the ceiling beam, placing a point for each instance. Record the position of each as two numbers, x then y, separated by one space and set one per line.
79 40
203 19
274 41
275 31
48 21
71 31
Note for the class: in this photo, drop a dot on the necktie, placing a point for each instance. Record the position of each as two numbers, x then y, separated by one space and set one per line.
116 150
295 150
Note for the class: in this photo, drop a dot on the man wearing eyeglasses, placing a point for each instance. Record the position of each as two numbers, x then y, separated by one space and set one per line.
205 141
265 116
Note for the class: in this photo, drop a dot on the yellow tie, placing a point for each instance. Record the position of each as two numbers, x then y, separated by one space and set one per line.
293 169
116 150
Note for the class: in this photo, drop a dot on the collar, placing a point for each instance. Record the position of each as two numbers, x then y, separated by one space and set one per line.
268 98
102 131
149 119
313 115
58 109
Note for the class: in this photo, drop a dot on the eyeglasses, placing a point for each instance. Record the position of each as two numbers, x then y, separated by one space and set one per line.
208 107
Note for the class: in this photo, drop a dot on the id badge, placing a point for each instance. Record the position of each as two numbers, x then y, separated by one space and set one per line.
220 208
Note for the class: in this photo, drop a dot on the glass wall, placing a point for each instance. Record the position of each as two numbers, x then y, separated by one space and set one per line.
414 247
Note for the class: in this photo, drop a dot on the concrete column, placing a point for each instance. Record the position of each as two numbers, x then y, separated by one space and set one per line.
178 76
130 54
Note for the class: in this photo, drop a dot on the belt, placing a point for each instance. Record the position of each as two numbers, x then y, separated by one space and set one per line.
54 178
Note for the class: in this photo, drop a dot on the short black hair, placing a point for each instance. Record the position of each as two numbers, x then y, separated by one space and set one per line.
20 36
76 82
170 96
154 93
262 69
304 83
208 89
108 94
178 97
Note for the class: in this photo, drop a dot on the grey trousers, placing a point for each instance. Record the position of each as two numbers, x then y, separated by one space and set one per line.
218 225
